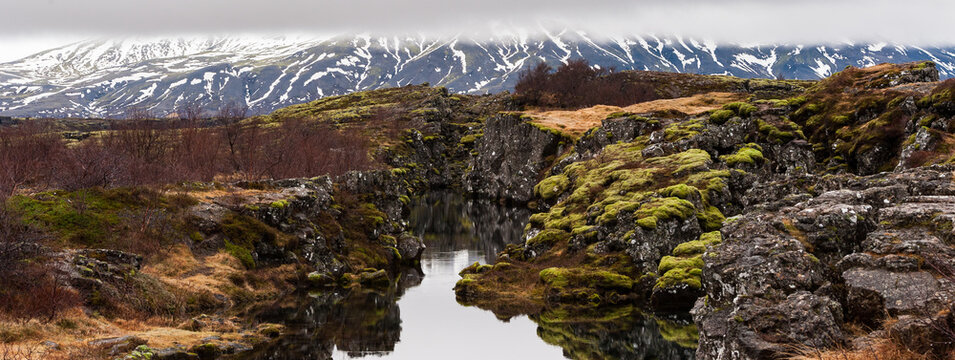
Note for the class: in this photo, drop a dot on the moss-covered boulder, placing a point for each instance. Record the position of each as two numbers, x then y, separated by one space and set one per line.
679 283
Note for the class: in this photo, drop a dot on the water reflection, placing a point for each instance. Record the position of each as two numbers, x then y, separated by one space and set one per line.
418 318
621 332
450 222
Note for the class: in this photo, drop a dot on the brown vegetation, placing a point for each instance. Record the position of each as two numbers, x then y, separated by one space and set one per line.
29 288
141 151
576 122
577 84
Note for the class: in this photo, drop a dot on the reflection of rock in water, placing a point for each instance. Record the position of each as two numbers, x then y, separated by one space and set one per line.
616 333
449 221
358 322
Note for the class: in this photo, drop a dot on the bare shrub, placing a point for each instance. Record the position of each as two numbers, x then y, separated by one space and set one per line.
22 352
576 84
29 287
142 151
28 156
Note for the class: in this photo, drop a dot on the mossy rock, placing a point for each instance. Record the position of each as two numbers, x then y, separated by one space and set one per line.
553 186
476 268
697 247
748 154
741 109
206 351
682 191
711 218
548 238
666 208
679 277
565 278
668 263
719 117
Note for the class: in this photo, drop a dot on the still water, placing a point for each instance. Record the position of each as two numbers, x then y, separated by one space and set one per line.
420 318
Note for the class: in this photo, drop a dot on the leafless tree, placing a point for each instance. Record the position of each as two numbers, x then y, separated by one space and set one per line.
229 119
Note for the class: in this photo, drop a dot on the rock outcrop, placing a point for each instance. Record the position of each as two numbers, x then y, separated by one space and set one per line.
874 248
511 157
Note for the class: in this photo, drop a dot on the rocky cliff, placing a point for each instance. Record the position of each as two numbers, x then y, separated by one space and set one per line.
786 221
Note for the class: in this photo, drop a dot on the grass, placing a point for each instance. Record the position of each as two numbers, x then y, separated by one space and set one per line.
93 217
577 122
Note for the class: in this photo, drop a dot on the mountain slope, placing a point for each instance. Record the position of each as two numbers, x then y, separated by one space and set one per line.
102 78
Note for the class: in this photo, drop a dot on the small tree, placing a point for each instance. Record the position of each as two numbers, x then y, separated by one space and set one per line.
229 119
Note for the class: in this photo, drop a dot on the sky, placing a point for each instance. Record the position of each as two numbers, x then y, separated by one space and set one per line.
35 25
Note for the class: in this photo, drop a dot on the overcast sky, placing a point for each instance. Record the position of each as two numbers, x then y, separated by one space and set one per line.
28 26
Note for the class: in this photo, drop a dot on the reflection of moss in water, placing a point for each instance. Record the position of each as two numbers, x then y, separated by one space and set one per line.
620 332
686 335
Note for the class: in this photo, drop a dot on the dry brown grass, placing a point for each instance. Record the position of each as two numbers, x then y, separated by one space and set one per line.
218 274
213 194
881 350
181 270
576 122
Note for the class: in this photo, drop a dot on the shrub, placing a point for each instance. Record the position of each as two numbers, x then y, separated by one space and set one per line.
576 84
29 288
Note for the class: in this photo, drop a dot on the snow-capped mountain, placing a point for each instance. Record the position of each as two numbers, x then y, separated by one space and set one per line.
102 78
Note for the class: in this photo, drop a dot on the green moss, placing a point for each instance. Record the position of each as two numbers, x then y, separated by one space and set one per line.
678 277
141 352
470 138
668 263
683 130
697 247
243 254
666 208
649 222
692 159
682 191
548 238
741 109
246 231
281 204
721 116
568 222
562 278
91 217
711 218
551 187
748 154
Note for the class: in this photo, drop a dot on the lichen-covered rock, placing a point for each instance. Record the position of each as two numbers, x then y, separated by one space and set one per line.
867 250
766 330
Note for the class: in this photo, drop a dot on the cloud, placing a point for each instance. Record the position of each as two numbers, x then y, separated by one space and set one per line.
737 21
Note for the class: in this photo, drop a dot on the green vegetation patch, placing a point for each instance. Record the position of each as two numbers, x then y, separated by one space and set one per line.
91 217
683 130
684 268
747 154
563 278
551 187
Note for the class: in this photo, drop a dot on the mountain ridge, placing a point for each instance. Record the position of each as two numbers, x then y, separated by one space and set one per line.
102 78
